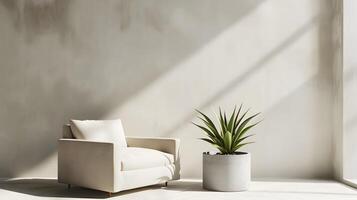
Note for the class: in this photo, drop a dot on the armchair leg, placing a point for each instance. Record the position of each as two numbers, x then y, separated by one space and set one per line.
109 194
166 183
68 186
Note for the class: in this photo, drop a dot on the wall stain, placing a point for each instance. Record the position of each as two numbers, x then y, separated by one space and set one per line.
124 14
34 18
144 14
155 20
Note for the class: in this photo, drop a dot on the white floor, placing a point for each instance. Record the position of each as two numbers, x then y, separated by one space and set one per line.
184 189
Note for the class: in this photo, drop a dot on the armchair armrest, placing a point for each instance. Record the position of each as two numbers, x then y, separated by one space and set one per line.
167 145
87 163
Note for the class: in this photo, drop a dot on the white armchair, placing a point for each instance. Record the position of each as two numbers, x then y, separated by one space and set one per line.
106 167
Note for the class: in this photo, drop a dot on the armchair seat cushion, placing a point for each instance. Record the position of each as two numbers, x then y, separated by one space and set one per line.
133 158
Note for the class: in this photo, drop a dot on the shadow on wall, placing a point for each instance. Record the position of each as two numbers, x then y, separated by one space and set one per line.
304 160
260 63
308 103
322 21
59 61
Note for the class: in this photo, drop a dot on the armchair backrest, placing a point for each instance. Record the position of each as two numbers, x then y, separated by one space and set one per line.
67 132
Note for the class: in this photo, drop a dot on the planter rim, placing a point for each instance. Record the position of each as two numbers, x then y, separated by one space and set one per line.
241 154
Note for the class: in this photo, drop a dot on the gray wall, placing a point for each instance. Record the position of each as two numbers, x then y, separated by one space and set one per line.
337 105
350 91
151 63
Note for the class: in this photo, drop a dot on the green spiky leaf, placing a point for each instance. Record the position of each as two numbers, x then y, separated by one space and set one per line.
230 133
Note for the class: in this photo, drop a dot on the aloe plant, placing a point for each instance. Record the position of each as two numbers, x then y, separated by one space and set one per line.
230 134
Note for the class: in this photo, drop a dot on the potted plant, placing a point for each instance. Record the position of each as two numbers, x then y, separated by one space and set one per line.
228 169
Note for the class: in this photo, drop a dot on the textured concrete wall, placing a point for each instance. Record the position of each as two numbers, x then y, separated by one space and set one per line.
152 62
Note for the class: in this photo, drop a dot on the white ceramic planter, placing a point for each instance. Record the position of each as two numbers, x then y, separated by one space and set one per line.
226 172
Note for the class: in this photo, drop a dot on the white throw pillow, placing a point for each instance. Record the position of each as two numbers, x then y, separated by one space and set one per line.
99 130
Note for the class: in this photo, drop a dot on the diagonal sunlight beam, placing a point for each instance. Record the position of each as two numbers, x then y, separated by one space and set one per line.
158 40
253 69
262 60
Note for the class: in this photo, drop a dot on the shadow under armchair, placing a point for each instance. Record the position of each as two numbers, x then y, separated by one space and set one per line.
48 188
51 188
